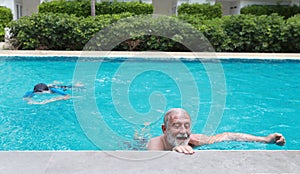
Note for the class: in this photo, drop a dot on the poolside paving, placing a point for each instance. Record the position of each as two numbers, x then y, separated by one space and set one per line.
149 162
2 44
155 55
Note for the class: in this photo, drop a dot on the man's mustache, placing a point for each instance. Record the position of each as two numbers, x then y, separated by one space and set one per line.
183 135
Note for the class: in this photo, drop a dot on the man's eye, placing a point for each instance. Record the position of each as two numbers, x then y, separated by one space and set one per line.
177 125
187 125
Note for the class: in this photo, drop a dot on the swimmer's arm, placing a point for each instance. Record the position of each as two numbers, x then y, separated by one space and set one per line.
200 139
65 97
78 85
27 98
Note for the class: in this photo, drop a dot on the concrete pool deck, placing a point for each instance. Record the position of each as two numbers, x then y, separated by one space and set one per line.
90 162
203 161
156 55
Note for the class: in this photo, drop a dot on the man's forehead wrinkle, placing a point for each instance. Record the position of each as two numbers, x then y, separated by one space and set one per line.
176 118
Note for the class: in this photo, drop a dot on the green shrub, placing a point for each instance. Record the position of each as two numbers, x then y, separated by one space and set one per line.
57 31
292 32
5 17
285 11
245 33
121 7
194 19
255 33
207 10
80 9
269 34
83 8
67 32
238 33
144 33
214 32
256 10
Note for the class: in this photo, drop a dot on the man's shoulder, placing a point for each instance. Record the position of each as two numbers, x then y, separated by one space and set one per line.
156 140
155 143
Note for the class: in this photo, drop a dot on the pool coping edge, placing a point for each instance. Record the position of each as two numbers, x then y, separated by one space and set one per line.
204 161
155 54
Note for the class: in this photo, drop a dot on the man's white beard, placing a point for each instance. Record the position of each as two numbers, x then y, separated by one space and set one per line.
172 140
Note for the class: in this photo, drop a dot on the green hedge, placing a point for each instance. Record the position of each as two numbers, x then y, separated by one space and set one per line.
292 31
285 11
67 32
201 10
5 17
143 33
246 33
238 33
194 19
57 31
83 8
214 31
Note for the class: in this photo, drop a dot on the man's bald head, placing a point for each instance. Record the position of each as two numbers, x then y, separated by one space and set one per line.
174 112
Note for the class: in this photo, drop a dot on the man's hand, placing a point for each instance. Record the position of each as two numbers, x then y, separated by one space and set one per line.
184 149
275 138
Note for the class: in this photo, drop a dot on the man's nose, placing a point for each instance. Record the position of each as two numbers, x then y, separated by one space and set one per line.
182 129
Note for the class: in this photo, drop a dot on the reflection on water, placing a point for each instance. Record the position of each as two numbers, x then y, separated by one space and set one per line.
140 139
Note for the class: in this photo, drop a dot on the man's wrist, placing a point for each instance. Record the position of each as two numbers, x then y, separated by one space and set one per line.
268 140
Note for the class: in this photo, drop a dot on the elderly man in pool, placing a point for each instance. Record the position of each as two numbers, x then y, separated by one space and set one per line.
177 135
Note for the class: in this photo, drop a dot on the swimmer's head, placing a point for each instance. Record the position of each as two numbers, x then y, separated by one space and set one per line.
177 127
40 87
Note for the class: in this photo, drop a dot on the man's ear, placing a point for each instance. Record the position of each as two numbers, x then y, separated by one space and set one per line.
163 127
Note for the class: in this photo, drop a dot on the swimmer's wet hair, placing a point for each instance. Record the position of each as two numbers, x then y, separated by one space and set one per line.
40 87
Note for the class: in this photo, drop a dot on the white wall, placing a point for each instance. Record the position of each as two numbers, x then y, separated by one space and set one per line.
15 10
165 7
179 2
30 7
198 1
230 7
202 1
295 2
147 1
227 7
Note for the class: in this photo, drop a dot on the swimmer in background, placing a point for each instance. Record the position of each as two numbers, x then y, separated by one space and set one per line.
42 88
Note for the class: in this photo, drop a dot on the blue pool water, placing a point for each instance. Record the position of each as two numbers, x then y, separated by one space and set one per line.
261 97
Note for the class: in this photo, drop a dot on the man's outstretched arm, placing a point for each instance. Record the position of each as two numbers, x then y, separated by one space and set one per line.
200 139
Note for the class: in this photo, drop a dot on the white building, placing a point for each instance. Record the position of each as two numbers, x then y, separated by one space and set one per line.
234 6
27 7
21 7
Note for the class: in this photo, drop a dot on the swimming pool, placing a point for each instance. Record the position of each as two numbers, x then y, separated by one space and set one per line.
262 97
